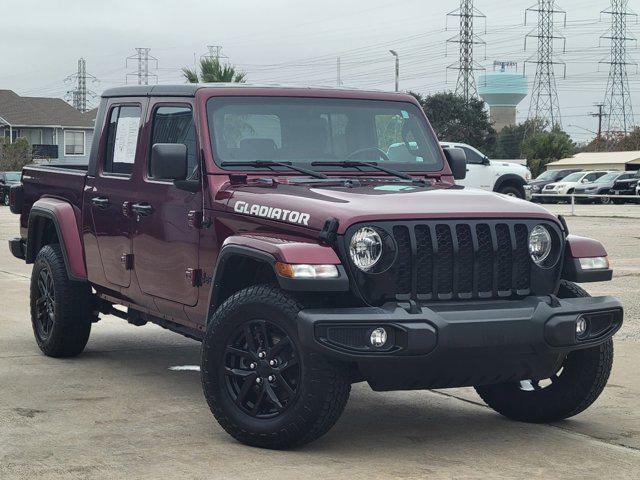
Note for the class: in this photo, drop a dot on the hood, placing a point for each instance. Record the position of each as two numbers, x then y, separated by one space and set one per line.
310 204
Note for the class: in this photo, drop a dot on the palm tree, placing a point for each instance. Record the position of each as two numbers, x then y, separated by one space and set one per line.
212 71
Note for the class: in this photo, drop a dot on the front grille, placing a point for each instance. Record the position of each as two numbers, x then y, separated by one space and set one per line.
457 260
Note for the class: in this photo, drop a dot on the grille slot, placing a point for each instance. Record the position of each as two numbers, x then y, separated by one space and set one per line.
462 260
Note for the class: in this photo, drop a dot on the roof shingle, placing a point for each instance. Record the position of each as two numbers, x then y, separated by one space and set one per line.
40 111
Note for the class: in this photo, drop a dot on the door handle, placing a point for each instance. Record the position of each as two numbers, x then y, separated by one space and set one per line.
101 202
142 209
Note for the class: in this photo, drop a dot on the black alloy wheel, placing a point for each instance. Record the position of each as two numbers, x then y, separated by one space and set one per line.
262 369
45 304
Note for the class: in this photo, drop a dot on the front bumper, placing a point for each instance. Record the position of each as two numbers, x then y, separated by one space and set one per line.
459 344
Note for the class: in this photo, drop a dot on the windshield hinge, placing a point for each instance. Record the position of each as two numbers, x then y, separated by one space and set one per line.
329 232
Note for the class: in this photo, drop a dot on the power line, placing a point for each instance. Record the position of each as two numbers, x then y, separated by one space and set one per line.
544 96
143 59
466 83
617 98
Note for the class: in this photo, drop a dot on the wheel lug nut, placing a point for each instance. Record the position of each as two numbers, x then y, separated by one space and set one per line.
262 355
252 365
258 380
272 363
271 378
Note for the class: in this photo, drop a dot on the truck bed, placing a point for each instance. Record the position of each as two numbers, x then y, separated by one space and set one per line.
57 181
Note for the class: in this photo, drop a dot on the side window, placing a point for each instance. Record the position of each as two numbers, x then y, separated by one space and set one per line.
175 125
472 156
590 177
122 139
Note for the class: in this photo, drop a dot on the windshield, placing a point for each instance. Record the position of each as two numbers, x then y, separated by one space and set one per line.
609 177
574 177
12 176
314 130
548 175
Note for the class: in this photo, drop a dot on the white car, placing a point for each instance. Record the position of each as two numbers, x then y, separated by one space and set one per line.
559 190
493 175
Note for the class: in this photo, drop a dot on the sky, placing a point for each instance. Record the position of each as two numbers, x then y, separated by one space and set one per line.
298 43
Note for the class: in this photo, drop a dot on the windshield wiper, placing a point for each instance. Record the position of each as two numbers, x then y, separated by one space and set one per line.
273 163
359 163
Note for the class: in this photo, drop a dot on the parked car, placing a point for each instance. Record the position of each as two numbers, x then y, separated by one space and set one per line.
626 186
493 175
550 176
305 259
600 186
6 180
559 191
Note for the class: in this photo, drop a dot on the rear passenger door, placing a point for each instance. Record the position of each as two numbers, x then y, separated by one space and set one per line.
166 240
109 192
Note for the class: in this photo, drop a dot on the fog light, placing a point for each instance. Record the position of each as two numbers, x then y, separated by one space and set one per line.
581 327
378 337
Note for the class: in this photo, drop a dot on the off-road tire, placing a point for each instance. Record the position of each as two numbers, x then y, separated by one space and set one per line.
72 307
512 191
324 385
5 199
582 380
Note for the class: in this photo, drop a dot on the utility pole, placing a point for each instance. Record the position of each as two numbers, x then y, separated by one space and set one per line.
397 70
466 38
599 114
617 98
78 95
338 76
142 58
544 96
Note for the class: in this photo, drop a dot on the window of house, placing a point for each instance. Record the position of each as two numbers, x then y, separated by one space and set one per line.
74 143
175 125
122 139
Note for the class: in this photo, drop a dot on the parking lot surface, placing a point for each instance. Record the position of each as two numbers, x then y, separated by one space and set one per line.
120 411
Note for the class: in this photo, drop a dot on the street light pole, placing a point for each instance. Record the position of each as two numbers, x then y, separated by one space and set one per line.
395 54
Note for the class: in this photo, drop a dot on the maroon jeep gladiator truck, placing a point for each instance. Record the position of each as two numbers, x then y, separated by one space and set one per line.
311 239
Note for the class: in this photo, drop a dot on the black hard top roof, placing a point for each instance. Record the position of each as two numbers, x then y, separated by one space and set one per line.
190 89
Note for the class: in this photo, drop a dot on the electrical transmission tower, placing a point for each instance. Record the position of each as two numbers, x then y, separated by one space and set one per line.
214 51
466 84
143 58
544 96
78 95
617 98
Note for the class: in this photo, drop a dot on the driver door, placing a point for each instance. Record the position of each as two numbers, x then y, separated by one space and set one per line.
479 171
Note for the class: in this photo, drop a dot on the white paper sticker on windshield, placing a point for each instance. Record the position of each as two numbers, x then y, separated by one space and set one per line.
124 150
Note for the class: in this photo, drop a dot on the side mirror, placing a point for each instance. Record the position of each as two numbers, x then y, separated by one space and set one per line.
168 161
457 160
486 161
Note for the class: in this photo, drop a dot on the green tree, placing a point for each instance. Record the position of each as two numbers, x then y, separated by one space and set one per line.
457 120
212 71
615 142
14 156
510 138
543 147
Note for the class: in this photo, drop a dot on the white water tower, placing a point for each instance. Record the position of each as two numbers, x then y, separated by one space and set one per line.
502 91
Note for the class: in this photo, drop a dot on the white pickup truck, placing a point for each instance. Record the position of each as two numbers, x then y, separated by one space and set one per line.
494 175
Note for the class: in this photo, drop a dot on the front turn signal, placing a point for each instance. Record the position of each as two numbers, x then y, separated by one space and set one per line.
305 271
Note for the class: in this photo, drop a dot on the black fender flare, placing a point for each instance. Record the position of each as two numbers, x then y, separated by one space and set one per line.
36 215
509 178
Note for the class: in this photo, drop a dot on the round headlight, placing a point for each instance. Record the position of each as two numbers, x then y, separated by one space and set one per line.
540 244
365 248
